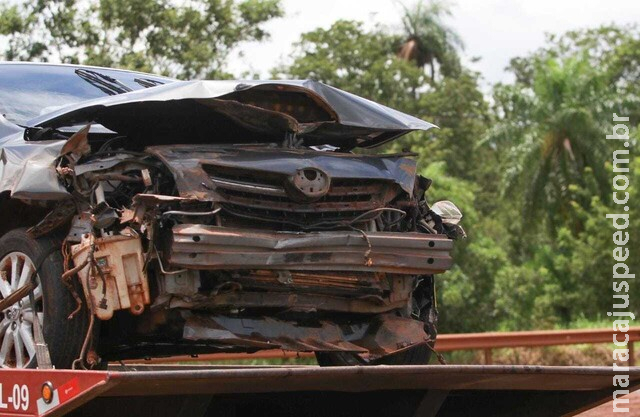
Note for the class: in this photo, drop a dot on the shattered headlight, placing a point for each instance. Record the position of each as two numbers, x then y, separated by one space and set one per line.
450 216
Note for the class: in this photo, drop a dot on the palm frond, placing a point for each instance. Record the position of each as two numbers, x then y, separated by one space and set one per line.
428 39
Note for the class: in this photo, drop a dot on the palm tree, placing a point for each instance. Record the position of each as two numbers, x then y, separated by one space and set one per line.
428 39
559 149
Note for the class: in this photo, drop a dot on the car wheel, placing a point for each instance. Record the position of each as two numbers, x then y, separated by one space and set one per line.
19 254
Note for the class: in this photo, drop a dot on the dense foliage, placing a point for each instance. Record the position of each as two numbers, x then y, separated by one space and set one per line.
528 164
183 39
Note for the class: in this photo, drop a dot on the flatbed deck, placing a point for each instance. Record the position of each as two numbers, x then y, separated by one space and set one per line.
203 390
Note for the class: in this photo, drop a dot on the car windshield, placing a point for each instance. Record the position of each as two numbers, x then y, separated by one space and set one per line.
28 91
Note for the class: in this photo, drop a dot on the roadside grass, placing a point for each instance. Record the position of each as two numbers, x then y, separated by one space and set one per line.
584 323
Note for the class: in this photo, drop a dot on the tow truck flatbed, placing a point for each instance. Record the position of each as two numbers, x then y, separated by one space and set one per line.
202 390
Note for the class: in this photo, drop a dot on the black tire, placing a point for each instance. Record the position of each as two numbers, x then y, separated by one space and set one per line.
338 359
418 355
64 337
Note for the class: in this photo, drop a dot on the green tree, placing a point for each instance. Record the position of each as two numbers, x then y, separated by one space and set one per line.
362 62
550 122
548 136
187 40
428 39
459 108
564 140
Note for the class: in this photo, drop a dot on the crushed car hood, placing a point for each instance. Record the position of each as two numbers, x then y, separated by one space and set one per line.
261 111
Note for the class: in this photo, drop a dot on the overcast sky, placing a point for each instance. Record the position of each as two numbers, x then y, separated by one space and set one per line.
494 30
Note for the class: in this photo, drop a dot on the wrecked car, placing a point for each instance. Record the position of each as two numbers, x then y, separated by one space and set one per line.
143 216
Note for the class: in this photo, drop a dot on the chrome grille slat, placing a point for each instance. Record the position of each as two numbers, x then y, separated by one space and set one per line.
249 187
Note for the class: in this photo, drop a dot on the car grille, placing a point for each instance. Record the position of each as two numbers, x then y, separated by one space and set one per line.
264 196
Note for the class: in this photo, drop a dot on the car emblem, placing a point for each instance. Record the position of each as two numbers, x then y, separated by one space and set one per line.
308 184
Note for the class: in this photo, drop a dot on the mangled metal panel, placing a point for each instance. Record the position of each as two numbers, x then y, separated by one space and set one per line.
330 116
27 170
378 336
198 108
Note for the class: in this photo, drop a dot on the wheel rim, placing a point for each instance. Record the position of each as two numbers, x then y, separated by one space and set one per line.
17 340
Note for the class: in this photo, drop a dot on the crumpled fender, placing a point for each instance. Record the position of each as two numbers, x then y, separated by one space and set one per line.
27 170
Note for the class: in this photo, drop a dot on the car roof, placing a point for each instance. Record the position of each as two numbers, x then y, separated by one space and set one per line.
52 64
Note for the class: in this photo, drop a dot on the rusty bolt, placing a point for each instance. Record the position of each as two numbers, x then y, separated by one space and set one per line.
92 358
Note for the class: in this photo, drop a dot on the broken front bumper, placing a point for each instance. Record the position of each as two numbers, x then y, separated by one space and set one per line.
379 336
212 248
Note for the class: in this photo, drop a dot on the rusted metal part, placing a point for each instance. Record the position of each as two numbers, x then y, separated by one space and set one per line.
295 302
212 247
255 118
92 359
348 292
379 336
348 284
60 215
